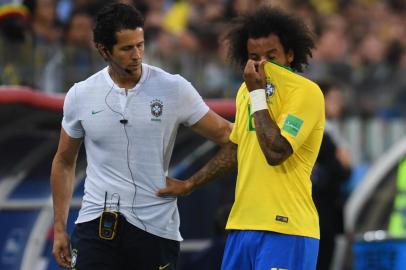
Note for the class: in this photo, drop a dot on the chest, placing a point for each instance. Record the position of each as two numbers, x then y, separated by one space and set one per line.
138 115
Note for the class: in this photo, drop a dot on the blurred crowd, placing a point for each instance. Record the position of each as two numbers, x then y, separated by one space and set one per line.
361 45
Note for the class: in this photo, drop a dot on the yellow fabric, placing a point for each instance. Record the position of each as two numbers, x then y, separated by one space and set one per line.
401 178
325 7
396 227
267 195
176 18
396 221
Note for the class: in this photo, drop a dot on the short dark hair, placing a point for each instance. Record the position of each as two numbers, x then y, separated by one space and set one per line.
292 32
112 19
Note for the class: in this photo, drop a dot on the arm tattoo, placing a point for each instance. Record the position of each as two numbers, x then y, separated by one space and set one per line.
221 163
274 146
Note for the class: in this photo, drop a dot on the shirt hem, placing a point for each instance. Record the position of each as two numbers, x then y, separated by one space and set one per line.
255 228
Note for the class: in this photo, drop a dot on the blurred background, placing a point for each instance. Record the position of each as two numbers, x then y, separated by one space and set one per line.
46 46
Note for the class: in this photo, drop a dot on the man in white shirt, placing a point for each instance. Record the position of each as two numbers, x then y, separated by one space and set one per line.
127 115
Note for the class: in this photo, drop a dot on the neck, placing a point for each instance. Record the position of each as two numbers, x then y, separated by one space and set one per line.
123 79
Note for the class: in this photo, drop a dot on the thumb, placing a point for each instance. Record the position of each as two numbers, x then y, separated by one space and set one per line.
166 190
163 192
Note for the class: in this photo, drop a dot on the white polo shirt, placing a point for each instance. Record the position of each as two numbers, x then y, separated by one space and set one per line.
154 109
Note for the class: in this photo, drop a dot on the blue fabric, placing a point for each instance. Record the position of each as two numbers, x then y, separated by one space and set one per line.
261 250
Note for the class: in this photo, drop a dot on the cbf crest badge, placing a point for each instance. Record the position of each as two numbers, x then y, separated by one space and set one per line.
157 107
270 89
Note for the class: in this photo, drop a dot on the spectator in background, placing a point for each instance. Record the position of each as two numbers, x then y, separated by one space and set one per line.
238 7
332 53
46 34
66 7
218 78
44 24
332 169
16 67
76 59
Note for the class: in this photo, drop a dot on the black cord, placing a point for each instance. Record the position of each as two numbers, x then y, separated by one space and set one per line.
105 199
128 159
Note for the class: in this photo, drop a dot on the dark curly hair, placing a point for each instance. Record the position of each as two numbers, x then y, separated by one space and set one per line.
112 19
292 32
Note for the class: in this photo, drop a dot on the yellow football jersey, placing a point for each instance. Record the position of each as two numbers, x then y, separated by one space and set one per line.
279 198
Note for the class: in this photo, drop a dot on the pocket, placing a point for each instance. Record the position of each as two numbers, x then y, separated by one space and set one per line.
85 230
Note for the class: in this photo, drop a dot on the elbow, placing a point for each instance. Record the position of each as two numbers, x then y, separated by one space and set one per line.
275 159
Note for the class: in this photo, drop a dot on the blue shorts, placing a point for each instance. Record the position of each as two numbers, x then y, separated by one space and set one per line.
263 250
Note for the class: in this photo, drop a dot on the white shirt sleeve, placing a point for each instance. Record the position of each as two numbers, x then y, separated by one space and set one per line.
70 122
191 105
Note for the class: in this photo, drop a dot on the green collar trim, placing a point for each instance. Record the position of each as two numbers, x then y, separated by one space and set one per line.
285 67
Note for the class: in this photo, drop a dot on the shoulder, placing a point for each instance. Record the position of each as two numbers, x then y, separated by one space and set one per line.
312 88
307 88
156 73
291 82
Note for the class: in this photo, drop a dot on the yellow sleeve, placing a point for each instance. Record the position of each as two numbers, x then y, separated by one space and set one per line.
238 101
302 113
234 131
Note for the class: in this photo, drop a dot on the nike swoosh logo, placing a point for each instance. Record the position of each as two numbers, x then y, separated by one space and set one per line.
164 267
96 112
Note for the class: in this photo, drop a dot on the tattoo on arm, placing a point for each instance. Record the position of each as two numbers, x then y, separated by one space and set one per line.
274 146
221 163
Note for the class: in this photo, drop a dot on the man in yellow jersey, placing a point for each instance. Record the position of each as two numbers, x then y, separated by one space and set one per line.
276 137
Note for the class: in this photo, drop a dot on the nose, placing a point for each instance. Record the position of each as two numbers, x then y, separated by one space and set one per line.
136 54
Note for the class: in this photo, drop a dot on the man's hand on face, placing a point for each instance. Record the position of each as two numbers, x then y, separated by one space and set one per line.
254 75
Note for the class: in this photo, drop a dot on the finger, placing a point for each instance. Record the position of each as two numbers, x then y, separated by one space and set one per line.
261 69
66 254
249 67
164 192
169 181
61 260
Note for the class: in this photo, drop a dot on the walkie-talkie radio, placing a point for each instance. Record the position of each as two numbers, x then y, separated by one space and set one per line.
108 222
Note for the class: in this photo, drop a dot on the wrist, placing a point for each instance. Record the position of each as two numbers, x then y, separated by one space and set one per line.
59 226
258 100
190 185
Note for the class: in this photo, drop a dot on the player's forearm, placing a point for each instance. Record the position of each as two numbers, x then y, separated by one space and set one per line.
221 163
274 146
62 182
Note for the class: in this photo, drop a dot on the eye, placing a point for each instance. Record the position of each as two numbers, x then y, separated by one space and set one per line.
271 57
254 57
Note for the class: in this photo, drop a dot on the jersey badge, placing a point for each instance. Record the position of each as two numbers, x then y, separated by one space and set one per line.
292 125
157 108
270 89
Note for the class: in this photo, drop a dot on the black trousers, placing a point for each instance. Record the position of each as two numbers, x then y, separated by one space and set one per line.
132 249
